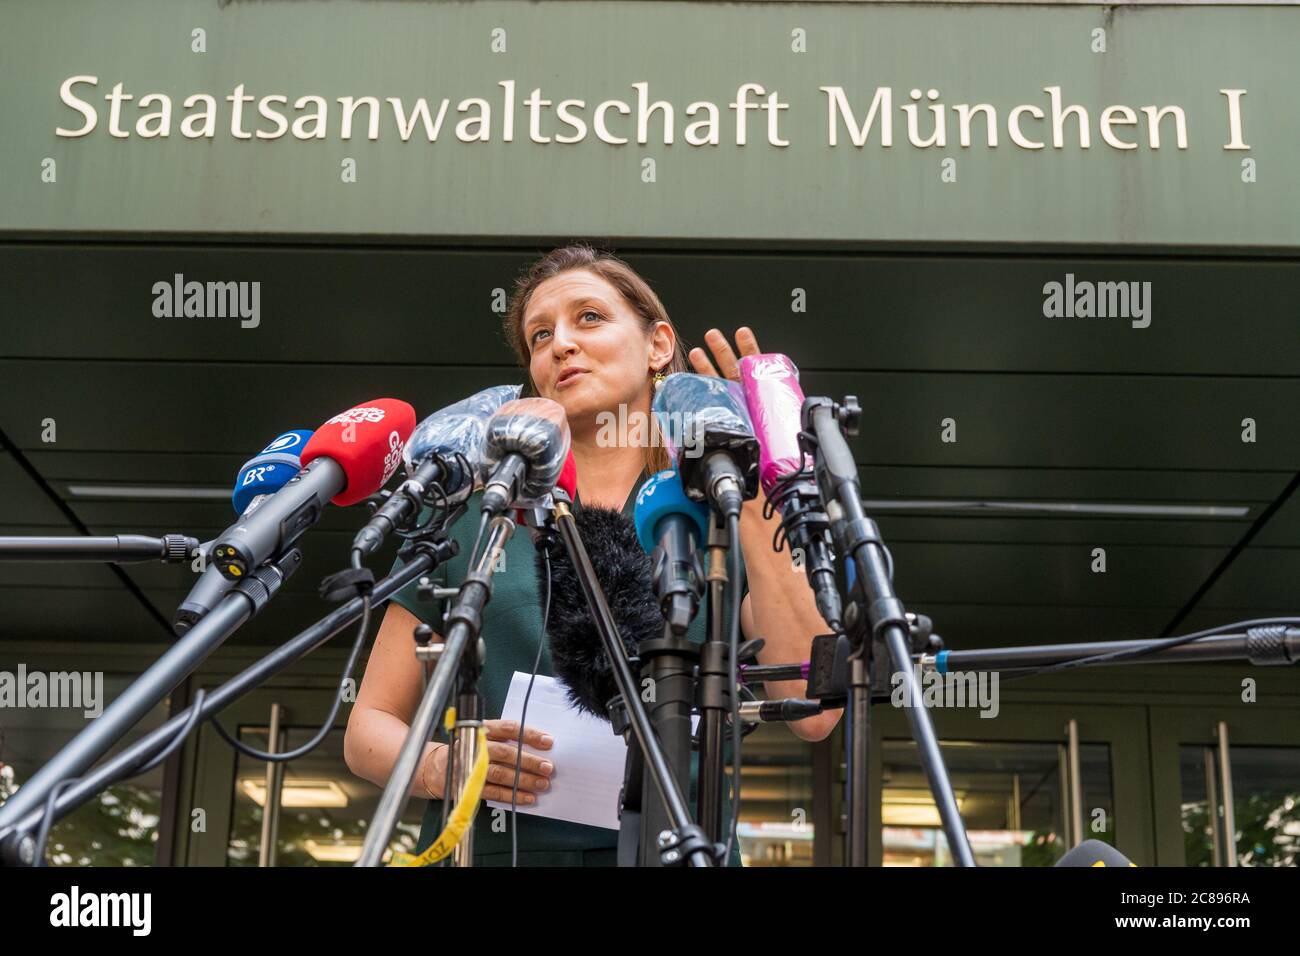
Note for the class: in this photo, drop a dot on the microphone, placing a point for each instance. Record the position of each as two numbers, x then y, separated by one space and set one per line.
524 447
773 711
257 479
540 518
445 449
671 528
347 459
269 470
718 453
623 571
1094 853
774 399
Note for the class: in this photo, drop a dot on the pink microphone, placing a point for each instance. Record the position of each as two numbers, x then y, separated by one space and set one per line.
774 400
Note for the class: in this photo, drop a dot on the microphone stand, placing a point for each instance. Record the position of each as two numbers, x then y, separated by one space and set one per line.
465 623
1261 646
114 548
679 840
245 600
884 623
714 690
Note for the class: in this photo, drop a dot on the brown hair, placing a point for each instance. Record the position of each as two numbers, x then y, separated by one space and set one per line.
634 290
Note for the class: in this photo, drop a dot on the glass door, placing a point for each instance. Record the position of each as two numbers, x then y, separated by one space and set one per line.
311 811
1031 782
1227 785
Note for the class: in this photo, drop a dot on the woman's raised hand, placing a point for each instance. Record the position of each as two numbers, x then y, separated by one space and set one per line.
725 357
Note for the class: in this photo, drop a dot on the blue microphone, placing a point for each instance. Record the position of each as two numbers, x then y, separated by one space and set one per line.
672 528
270 469
260 477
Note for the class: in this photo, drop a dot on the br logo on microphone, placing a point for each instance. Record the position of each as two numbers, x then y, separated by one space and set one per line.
257 474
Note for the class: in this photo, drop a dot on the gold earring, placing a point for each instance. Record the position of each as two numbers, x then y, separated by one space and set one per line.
658 379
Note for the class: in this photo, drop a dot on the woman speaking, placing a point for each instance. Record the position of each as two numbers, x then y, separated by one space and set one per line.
593 336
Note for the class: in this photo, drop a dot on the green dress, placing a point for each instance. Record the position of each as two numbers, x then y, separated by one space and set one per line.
511 630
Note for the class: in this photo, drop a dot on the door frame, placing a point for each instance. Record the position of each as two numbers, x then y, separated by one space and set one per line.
1249 725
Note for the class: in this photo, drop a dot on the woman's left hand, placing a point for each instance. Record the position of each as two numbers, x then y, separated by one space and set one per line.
725 357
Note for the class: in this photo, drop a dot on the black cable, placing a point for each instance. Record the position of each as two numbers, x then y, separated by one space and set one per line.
733 534
328 725
196 714
523 715
43 834
473 553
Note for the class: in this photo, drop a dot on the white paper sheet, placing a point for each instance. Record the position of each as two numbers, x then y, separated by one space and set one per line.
587 755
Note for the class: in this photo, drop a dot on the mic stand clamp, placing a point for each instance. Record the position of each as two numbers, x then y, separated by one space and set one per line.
676 846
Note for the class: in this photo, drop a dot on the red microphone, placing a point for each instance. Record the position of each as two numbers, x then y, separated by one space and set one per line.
347 459
568 480
366 442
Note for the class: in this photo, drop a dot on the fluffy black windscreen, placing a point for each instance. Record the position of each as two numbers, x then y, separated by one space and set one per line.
623 570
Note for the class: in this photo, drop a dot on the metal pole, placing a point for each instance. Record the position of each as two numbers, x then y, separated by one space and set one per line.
465 748
1225 781
1212 807
475 590
1076 782
271 801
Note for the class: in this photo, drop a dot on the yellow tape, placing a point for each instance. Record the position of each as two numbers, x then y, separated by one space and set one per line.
460 817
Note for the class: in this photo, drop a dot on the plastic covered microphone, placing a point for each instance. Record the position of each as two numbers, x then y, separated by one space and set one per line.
672 528
446 450
711 438
774 399
348 459
524 447
257 479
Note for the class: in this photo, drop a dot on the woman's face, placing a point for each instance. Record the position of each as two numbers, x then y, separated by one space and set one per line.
588 350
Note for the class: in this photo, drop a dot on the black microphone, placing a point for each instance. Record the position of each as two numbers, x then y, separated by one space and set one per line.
524 449
1094 853
624 572
714 448
773 711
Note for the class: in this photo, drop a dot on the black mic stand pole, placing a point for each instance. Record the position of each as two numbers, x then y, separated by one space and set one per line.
857 538
462 640
678 840
714 690
668 665
1262 646
113 548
